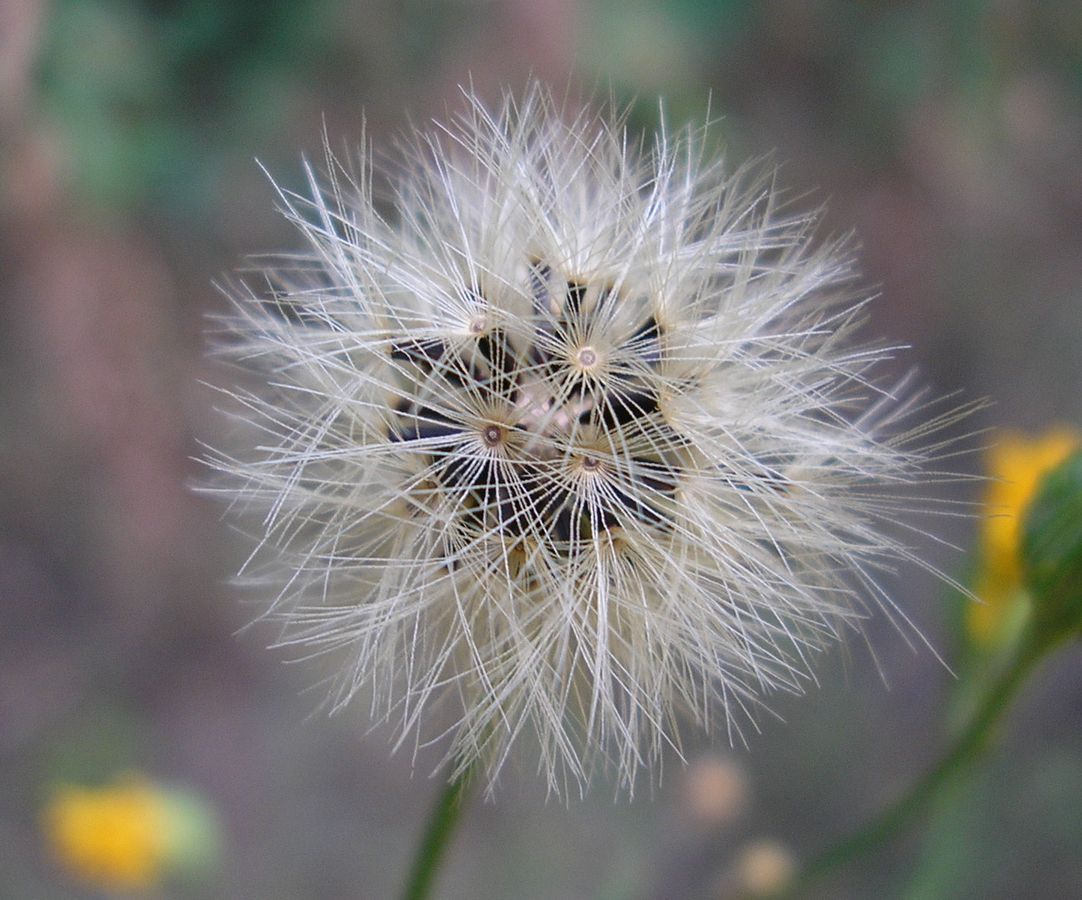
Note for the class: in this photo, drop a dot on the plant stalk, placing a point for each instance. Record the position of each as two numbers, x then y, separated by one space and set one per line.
437 837
965 750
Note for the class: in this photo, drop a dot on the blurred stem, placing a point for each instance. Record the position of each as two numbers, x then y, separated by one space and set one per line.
437 836
964 751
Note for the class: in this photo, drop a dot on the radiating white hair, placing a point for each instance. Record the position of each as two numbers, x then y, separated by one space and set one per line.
569 436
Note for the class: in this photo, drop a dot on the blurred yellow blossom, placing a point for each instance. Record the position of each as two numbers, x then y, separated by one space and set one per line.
113 837
127 835
1016 464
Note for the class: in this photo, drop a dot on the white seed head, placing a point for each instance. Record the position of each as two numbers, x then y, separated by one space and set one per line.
567 436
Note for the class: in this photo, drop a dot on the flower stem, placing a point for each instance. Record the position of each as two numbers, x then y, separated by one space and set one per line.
966 749
437 836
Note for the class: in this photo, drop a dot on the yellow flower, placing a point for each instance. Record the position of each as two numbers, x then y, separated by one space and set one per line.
1017 465
113 838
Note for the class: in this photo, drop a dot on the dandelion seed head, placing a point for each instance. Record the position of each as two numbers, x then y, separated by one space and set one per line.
564 435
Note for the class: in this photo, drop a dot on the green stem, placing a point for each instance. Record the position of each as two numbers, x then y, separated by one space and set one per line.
966 750
437 836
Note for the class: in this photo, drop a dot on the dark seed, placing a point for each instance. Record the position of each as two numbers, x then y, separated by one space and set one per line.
460 472
501 509
652 479
503 366
576 293
607 518
645 342
616 409
422 423
420 351
604 298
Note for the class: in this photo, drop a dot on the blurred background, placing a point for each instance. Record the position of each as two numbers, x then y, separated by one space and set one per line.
947 134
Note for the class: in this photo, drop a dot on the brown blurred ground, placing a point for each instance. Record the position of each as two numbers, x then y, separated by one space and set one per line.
949 135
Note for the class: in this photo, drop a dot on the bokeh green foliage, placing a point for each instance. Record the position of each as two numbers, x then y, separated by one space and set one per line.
1052 552
153 97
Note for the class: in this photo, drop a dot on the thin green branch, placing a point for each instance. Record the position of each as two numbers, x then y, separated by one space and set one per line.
966 750
437 836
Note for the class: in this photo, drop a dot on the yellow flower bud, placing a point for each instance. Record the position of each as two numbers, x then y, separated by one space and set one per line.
1016 466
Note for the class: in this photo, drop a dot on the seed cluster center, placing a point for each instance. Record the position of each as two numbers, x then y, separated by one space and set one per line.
531 428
